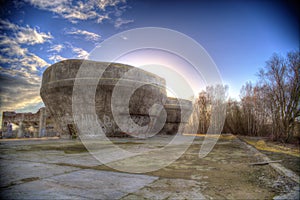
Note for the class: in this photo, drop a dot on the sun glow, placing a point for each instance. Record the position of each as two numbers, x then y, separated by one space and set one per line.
182 79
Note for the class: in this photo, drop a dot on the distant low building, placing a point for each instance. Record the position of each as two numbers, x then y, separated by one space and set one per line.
20 125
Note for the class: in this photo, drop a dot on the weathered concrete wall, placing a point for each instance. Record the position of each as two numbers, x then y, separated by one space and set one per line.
178 113
57 90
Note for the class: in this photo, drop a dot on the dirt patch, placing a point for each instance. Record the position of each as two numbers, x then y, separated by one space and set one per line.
67 149
225 173
25 180
128 143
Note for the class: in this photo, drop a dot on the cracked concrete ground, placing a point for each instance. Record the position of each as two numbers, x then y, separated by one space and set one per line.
64 169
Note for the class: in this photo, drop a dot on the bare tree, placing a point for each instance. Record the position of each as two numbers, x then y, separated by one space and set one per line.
268 108
281 80
211 106
233 122
204 106
248 104
255 111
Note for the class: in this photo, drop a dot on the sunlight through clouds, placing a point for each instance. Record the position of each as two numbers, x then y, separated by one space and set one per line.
19 67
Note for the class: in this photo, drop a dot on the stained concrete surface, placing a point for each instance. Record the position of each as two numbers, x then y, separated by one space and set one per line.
63 169
86 183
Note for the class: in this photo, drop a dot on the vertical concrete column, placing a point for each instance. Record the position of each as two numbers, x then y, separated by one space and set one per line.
2 124
20 130
42 124
21 127
3 129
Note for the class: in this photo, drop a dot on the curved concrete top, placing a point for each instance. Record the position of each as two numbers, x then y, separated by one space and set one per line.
175 103
64 73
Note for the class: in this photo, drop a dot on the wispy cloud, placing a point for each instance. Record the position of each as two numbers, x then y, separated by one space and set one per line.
19 67
26 35
56 48
119 22
78 10
73 52
10 47
18 57
102 4
89 36
54 53
19 89
56 58
32 36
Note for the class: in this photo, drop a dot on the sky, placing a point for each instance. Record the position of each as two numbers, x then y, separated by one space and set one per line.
240 36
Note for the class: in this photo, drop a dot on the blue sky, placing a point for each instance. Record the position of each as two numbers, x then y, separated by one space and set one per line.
239 36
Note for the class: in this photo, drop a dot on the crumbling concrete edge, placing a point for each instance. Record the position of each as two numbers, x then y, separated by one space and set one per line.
276 166
294 194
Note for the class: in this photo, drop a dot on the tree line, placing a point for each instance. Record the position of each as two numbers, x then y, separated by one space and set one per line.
268 108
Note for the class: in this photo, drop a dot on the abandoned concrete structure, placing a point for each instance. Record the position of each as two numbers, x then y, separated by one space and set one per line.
37 124
57 89
175 117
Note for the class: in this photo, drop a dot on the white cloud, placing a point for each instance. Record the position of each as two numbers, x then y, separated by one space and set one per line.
20 58
80 53
21 75
32 36
32 62
119 22
102 17
20 78
56 48
89 36
56 58
19 89
7 25
68 9
10 47
77 52
105 3
26 35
